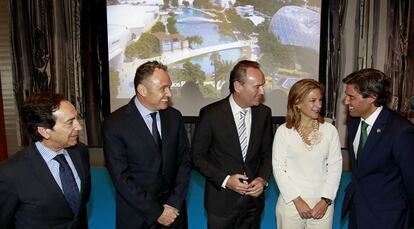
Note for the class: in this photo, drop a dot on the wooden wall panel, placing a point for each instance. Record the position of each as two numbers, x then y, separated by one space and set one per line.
3 140
11 120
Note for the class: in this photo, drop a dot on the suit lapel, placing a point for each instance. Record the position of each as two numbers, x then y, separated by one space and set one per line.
229 124
352 129
165 132
44 176
143 132
77 162
253 129
80 169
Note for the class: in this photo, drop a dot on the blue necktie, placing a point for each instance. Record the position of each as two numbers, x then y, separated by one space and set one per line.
69 186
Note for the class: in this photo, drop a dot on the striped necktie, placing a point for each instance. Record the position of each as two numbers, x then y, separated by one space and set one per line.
242 133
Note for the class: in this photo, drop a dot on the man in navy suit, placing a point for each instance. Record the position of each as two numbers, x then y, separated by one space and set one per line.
36 190
147 155
381 146
232 148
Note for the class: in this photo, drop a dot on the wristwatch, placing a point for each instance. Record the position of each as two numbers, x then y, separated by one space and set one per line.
266 186
327 201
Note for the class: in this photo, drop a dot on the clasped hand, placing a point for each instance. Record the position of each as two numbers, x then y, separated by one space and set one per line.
305 212
168 216
239 184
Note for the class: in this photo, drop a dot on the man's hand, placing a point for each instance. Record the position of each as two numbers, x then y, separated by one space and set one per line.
238 183
303 208
168 216
256 187
319 210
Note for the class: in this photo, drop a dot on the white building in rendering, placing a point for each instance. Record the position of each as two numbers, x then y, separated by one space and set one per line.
224 3
124 23
245 10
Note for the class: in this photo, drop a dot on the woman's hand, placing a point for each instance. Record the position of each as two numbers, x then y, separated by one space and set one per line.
303 208
319 210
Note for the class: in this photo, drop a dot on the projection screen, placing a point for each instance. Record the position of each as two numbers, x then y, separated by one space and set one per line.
201 40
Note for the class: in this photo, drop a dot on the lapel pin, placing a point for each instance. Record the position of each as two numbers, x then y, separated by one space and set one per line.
378 130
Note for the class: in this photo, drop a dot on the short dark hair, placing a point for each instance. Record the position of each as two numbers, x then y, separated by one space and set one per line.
145 70
371 82
239 72
38 112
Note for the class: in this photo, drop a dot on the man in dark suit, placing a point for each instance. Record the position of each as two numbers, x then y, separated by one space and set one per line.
381 146
47 184
232 148
147 154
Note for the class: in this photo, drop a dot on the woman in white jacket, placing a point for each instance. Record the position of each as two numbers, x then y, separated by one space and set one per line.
307 161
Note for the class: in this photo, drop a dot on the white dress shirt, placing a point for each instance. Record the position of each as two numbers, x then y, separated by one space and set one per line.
370 121
146 115
235 109
48 155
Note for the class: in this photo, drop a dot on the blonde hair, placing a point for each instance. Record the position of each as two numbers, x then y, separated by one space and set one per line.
297 94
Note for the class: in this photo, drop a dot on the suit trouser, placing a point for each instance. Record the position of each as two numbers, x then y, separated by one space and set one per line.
245 215
287 216
180 223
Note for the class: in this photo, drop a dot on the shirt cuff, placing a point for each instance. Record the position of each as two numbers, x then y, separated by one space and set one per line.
223 185
168 206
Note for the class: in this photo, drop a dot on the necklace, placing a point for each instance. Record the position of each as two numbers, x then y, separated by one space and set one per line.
314 137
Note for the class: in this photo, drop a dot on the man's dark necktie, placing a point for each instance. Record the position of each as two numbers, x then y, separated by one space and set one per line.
155 133
69 186
362 139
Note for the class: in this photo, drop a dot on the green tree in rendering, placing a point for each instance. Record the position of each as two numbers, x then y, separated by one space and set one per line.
215 60
273 53
189 72
209 91
114 82
223 72
158 27
197 3
264 6
166 4
202 4
245 26
112 2
225 26
193 72
147 46
186 4
171 21
222 68
198 40
174 3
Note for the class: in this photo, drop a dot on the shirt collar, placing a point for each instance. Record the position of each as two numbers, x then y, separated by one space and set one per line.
141 108
47 153
235 108
371 119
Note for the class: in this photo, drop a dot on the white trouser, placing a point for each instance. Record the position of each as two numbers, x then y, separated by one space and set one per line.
287 217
